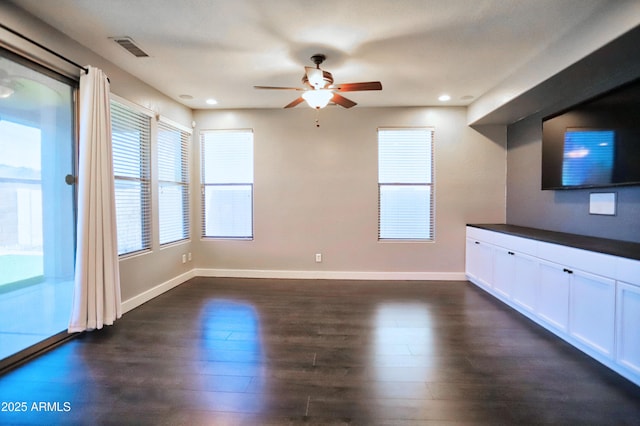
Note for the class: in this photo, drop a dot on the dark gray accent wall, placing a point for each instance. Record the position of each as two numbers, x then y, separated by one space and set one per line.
564 210
568 210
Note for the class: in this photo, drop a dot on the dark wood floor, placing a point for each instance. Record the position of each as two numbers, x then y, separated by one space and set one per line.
240 351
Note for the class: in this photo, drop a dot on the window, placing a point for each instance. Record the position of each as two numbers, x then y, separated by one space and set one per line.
131 130
173 182
227 183
405 184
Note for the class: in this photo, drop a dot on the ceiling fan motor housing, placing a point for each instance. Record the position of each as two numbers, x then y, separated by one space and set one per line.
318 58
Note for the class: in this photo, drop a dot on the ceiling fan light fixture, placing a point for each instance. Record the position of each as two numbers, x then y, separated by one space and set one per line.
317 98
316 78
319 89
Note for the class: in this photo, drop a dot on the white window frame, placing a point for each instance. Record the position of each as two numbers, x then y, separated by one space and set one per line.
226 183
144 180
182 153
400 179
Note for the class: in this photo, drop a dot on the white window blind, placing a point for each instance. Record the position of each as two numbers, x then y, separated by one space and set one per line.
227 183
173 183
131 140
405 184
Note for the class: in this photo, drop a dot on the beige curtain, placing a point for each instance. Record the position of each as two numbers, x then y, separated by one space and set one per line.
96 299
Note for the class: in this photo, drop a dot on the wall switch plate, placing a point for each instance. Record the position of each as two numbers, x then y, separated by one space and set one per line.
184 258
602 203
318 257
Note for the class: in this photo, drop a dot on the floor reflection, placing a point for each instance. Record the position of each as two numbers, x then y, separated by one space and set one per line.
32 314
233 358
400 351
53 389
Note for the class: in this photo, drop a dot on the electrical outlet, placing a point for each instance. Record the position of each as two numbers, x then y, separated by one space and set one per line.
318 257
184 258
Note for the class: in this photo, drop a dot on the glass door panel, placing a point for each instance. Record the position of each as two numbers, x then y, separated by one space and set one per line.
37 222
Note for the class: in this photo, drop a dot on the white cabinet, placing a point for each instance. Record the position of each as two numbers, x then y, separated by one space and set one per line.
628 326
479 262
553 295
525 288
515 277
504 271
592 305
590 299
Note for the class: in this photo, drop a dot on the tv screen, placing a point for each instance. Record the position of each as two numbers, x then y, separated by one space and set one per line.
594 144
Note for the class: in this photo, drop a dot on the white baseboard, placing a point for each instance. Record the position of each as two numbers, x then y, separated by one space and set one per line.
156 291
331 275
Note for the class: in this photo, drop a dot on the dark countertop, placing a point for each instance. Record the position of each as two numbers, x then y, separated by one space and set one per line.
601 245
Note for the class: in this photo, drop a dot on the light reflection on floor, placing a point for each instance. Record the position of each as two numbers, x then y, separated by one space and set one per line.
33 313
401 344
233 352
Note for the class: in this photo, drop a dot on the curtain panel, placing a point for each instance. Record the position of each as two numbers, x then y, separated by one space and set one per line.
96 299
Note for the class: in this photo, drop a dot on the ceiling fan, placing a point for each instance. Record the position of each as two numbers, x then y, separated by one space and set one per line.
319 89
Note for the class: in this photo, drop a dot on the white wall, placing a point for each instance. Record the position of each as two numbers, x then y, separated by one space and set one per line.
316 192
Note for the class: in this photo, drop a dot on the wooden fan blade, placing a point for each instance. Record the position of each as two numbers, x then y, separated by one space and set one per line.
355 87
277 88
342 101
295 102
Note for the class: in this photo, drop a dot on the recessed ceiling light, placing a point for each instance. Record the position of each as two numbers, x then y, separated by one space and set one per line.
186 97
444 98
211 101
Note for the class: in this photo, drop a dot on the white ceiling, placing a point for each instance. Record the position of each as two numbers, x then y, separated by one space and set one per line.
220 49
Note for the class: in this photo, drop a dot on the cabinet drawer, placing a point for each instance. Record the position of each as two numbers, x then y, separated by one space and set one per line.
628 270
517 244
588 261
480 234
511 242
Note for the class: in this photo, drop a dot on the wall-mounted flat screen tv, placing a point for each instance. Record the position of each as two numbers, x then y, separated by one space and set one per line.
594 144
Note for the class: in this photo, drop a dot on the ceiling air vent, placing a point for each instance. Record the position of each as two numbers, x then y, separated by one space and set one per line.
130 46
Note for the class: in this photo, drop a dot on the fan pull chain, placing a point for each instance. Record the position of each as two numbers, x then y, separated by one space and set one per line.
317 117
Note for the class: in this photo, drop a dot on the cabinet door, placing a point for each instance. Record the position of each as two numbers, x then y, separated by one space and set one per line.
524 290
592 305
553 295
504 271
479 262
627 320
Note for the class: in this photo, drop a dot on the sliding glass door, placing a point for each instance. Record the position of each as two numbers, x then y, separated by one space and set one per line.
37 222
